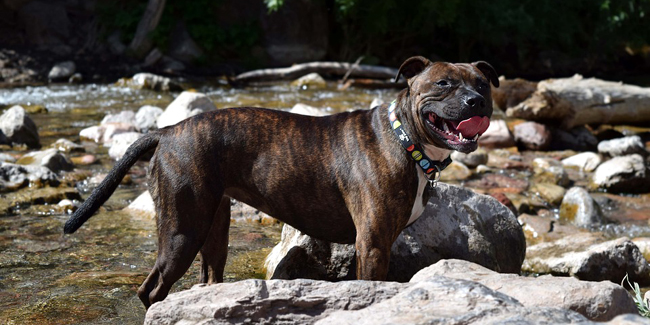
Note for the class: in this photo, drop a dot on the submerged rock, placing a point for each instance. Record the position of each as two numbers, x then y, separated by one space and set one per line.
14 176
598 301
551 193
586 257
622 146
580 209
624 174
67 146
151 81
545 229
187 104
457 223
312 80
50 158
19 128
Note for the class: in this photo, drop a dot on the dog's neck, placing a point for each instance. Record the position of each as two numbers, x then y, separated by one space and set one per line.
429 158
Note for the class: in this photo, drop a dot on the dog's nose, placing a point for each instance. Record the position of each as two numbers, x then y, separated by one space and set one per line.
475 101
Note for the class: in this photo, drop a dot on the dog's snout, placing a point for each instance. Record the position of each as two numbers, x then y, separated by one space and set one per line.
475 101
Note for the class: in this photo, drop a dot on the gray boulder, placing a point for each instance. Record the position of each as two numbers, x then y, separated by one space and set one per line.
187 104
267 302
62 71
626 174
145 118
126 117
587 257
50 158
622 146
441 300
122 142
580 209
19 128
457 223
598 301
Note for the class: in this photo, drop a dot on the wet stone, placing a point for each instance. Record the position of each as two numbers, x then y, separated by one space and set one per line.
50 158
456 171
67 146
580 209
538 229
187 104
551 193
499 183
472 159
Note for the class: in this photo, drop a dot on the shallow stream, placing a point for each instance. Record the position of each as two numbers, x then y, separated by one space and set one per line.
91 277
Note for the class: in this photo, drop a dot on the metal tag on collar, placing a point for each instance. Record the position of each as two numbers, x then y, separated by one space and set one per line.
436 179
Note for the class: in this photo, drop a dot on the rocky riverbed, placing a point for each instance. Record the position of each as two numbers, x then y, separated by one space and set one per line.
534 199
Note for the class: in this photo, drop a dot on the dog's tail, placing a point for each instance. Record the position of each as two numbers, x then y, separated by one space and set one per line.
112 180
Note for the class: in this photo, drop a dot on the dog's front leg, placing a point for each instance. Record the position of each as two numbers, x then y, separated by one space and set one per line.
373 254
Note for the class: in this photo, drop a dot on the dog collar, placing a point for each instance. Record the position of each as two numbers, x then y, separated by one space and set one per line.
431 168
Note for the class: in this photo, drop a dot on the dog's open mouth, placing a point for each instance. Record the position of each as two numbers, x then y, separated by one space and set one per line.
458 132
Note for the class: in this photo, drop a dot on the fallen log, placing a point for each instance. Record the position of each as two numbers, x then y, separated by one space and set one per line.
577 101
372 84
338 69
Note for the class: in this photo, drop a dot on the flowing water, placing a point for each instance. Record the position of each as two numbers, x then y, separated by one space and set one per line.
91 277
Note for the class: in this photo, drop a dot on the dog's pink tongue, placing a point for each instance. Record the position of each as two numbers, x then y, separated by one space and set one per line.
473 126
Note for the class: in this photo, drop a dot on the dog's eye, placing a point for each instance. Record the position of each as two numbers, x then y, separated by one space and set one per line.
442 83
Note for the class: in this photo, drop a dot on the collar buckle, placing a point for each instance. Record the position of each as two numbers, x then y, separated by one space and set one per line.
433 182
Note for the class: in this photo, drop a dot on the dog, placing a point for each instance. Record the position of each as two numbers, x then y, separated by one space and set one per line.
355 177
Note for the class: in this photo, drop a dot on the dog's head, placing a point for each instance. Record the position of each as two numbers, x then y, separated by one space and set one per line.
449 104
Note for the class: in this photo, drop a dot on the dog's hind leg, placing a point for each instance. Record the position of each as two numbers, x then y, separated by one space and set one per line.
215 248
185 216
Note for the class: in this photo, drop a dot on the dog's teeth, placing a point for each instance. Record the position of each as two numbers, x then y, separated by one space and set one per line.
445 127
460 135
475 137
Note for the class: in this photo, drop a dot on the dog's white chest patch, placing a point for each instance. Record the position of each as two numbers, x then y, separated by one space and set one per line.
418 205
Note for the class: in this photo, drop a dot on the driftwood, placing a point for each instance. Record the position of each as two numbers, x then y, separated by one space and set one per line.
372 84
326 68
511 92
141 42
576 101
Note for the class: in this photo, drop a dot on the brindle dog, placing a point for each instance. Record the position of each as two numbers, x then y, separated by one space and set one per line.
343 178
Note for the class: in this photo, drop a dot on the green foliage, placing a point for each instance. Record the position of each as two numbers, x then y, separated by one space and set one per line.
641 304
273 5
122 15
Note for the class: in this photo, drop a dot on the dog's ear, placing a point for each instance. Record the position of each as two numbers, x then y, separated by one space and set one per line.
488 71
411 67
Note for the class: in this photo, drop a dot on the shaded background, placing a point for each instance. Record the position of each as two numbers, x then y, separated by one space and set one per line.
531 39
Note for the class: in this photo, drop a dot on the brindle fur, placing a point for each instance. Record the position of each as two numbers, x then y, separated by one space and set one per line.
342 178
